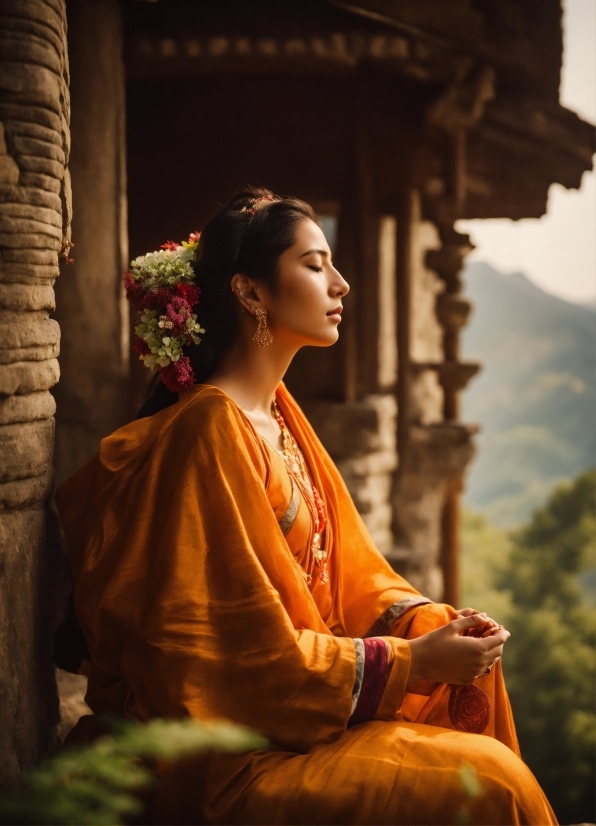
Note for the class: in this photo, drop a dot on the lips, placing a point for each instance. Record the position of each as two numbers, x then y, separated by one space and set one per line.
337 311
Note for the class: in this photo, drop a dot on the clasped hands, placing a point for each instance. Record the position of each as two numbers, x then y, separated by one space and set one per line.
459 652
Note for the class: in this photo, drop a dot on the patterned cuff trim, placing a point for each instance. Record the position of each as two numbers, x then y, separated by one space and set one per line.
359 646
374 678
392 614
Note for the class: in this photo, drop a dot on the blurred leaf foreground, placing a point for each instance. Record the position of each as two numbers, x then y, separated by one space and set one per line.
540 582
103 783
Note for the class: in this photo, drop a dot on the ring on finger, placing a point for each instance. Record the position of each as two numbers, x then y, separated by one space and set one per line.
489 667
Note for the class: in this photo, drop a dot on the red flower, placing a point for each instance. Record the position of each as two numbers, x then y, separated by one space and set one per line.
140 346
159 299
190 294
194 237
134 291
178 375
170 245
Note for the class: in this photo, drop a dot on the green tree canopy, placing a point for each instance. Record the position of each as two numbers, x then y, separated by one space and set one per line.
550 658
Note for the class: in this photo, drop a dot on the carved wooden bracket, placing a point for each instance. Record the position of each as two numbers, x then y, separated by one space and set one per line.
453 375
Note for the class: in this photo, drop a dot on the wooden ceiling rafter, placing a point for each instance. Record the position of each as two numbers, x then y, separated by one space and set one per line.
462 87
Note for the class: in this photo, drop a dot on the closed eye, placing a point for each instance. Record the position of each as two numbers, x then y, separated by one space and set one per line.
316 269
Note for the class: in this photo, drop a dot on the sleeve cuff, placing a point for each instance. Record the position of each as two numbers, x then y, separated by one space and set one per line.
397 680
382 668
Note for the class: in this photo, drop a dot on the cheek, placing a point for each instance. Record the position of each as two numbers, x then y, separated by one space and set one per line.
301 293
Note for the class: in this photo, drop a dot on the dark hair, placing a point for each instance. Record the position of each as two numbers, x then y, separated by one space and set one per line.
233 241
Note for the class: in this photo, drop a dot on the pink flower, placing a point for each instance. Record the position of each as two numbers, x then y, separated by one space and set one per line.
178 375
178 311
194 237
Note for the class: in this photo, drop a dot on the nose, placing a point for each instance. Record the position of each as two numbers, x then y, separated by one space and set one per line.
339 286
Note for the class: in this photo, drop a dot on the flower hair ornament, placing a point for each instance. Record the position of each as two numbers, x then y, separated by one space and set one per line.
161 286
255 204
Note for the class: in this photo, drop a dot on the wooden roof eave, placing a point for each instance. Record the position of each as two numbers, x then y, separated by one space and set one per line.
461 28
517 151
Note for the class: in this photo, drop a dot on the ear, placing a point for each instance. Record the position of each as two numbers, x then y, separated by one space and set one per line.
246 291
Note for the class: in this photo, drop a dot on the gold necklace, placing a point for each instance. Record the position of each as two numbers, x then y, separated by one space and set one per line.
296 465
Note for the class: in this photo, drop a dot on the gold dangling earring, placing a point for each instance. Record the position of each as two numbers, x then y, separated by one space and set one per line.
262 336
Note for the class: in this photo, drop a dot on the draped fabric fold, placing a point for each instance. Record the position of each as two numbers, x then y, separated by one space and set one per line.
190 590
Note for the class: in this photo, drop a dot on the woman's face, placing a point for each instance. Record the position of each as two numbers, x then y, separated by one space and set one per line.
306 308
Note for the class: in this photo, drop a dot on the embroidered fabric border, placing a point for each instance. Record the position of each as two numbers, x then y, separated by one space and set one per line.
374 679
359 646
393 613
287 520
469 708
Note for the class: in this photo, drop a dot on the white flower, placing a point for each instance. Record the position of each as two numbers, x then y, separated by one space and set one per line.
185 255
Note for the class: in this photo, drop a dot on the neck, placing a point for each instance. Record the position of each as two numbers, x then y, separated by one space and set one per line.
250 374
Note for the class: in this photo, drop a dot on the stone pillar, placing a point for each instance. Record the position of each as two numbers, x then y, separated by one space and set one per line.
360 437
433 451
434 446
453 311
34 217
92 396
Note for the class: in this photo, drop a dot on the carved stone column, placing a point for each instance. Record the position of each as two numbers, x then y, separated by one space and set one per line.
93 392
34 226
453 311
433 450
449 119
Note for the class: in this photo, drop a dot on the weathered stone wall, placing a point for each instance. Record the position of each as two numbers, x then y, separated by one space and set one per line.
34 218
92 396
360 437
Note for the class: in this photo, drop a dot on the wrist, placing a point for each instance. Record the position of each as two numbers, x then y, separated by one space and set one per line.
415 673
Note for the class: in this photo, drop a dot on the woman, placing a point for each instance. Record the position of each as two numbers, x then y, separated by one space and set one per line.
222 571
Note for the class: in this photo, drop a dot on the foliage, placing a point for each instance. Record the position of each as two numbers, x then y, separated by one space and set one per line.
485 554
102 783
539 580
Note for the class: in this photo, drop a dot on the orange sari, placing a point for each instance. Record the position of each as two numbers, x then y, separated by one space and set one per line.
187 543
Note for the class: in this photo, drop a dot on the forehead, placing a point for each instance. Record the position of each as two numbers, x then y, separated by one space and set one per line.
309 236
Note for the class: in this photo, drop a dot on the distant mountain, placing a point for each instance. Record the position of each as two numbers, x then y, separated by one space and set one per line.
535 397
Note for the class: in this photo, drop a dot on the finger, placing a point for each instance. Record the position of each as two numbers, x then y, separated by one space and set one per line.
495 640
467 612
494 654
492 630
481 631
459 625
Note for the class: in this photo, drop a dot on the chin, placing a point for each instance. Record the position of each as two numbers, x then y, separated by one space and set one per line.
326 340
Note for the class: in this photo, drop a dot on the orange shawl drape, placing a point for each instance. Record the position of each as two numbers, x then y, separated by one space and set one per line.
187 593
193 603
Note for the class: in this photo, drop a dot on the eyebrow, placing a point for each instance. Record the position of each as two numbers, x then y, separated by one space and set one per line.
310 252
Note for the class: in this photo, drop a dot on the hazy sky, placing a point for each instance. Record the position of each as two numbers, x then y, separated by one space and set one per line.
557 251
